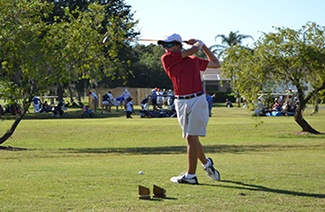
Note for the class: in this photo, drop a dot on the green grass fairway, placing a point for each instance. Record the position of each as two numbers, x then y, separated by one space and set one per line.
72 164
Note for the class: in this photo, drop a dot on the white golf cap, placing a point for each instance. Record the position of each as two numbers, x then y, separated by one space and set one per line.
171 38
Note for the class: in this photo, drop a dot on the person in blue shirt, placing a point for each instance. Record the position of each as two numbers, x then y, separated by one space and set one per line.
210 102
36 104
118 101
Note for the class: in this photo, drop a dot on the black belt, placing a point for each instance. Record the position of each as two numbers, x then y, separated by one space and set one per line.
189 96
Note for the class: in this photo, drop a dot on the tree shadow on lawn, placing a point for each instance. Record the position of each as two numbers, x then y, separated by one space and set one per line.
10 148
182 149
67 115
252 187
235 149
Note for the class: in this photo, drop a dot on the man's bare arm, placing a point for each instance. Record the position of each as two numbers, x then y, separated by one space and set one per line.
213 60
196 46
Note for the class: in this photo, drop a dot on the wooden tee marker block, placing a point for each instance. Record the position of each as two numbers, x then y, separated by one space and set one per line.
144 192
159 192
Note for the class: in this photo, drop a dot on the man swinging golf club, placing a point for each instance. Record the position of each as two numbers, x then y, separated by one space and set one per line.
190 102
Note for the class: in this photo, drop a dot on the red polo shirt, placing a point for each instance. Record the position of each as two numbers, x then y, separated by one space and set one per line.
184 72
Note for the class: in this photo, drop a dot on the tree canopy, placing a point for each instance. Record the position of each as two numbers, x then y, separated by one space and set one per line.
43 46
285 57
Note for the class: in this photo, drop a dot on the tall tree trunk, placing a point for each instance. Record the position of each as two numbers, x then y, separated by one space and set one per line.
70 93
60 92
303 123
13 127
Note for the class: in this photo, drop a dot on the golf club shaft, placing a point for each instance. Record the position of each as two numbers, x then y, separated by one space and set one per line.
131 39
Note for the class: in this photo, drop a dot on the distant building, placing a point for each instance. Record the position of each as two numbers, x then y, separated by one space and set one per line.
213 81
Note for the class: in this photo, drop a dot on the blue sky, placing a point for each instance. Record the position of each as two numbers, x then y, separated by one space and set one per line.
207 18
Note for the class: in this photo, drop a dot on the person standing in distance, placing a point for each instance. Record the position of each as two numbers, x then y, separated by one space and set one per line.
126 95
94 99
183 68
110 100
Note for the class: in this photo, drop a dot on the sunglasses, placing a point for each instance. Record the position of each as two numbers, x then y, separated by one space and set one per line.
168 45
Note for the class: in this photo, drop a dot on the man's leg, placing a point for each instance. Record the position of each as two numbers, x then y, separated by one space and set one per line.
194 151
201 155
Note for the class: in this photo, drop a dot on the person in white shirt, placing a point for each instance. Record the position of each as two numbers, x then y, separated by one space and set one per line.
111 100
129 108
94 99
126 94
36 104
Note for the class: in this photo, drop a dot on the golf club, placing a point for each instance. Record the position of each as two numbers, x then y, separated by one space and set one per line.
131 39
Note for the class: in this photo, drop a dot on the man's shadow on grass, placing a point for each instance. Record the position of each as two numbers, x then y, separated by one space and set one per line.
252 187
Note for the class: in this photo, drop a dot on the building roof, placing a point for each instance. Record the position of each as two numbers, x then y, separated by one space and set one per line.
212 74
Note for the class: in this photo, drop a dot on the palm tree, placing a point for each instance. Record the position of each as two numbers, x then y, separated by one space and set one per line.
233 39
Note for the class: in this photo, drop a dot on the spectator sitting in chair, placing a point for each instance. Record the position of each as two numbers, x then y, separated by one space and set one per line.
118 101
260 108
45 107
145 103
129 108
228 103
276 106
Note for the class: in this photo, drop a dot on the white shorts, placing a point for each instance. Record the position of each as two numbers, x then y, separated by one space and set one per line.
193 115
105 103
